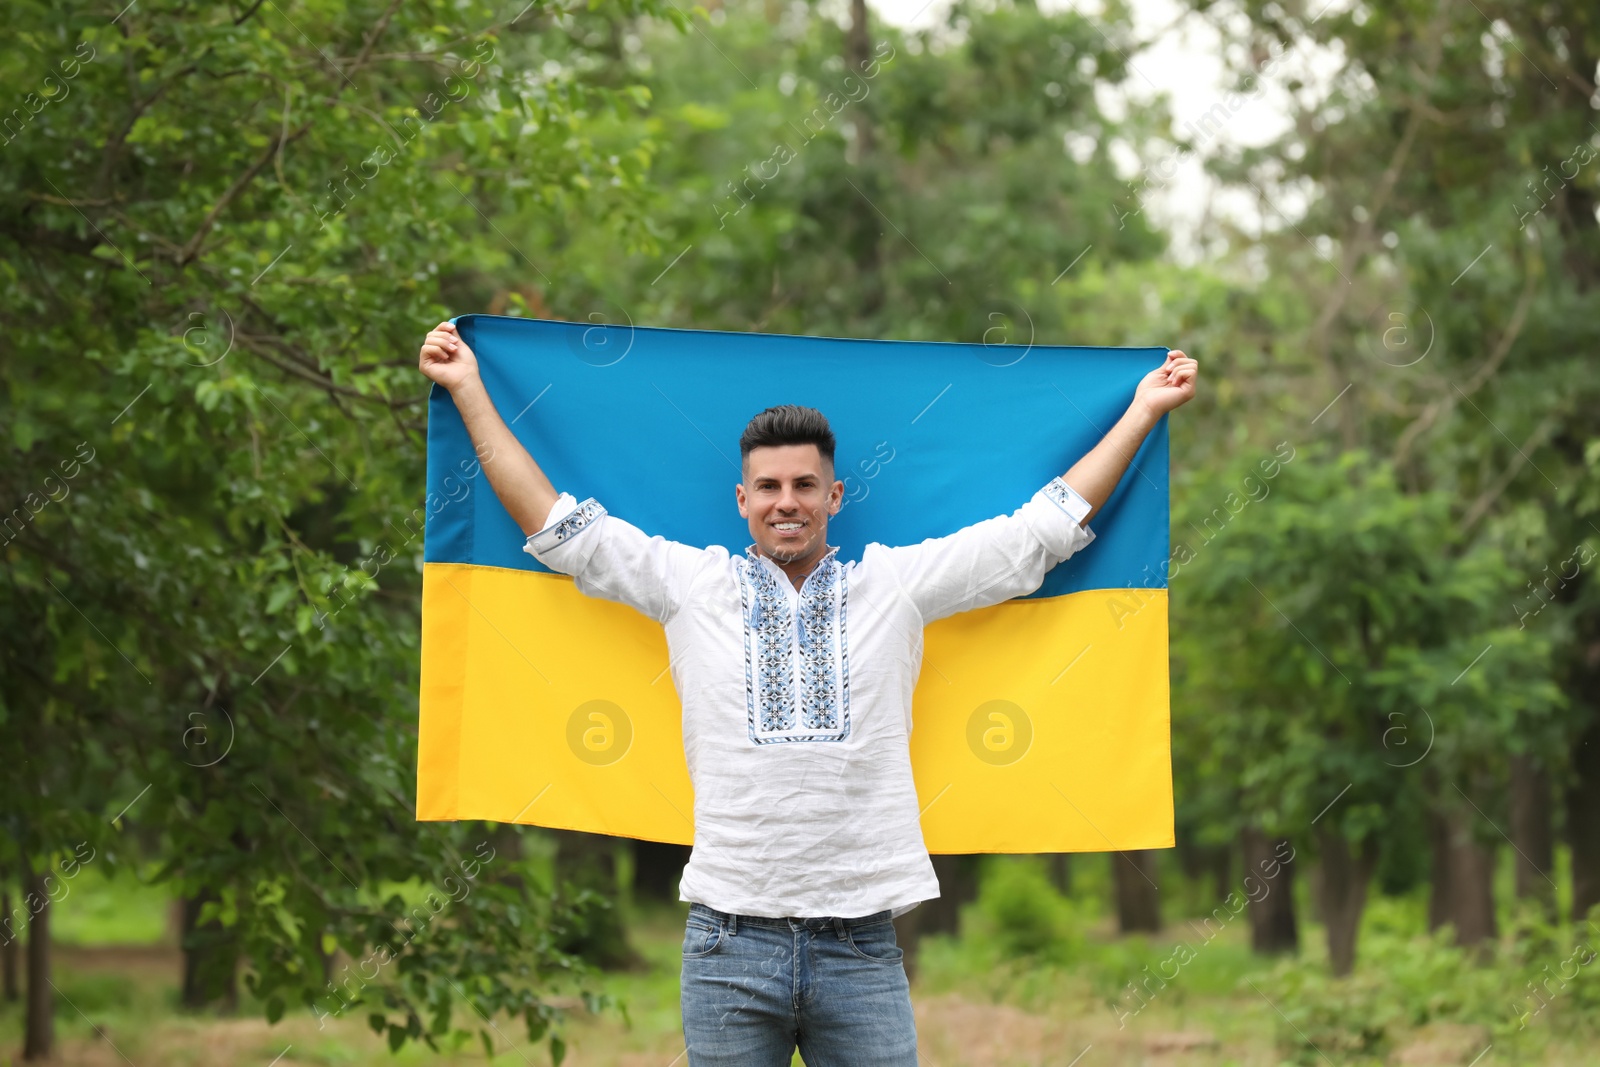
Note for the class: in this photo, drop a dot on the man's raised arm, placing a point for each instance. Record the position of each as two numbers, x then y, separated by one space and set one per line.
605 555
1095 475
522 487
1007 556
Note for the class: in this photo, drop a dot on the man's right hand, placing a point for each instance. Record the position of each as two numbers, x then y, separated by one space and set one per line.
446 358
522 487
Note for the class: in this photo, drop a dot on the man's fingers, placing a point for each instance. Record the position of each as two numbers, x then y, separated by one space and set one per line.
1178 373
434 352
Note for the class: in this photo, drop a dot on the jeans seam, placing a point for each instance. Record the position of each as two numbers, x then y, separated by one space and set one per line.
794 972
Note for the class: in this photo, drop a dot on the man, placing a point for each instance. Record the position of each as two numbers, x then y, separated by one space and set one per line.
795 671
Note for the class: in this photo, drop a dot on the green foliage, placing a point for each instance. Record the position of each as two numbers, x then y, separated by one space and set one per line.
1410 980
225 240
96 993
110 909
1349 1019
226 230
1420 327
766 186
1019 914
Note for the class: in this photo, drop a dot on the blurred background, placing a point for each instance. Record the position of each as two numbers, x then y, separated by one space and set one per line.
226 228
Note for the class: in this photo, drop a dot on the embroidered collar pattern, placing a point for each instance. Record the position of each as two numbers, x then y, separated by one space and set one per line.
779 638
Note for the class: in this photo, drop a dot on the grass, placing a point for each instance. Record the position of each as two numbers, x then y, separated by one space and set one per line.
1034 979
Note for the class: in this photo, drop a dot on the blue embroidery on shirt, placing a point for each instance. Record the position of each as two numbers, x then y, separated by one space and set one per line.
772 631
1066 498
767 624
575 521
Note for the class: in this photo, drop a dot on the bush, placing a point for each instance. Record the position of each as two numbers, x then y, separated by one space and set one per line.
1022 915
1405 981
1348 1019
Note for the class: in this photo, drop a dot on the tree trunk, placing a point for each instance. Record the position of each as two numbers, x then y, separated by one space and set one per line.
1532 833
1273 928
958 884
1221 864
1059 865
39 1034
861 239
1138 900
657 870
1471 885
1208 863
858 56
210 958
506 844
589 861
8 949
1345 873
1583 821
1440 874
908 930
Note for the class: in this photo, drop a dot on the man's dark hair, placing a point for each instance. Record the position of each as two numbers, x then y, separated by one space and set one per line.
788 424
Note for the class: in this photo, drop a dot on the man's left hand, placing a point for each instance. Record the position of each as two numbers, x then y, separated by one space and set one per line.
1169 385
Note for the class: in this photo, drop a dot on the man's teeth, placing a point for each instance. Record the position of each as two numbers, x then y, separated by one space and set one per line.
788 525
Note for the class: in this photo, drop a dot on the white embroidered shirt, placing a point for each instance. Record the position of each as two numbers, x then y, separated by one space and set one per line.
797 703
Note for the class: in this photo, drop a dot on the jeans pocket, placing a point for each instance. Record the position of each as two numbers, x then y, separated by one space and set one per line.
875 942
700 938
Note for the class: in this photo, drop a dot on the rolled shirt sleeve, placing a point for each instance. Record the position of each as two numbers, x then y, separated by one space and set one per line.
565 504
995 560
611 558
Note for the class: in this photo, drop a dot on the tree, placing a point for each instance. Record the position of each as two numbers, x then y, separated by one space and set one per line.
212 566
1364 608
1451 235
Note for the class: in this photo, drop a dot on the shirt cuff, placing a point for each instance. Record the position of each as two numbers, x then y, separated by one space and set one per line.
566 520
1071 503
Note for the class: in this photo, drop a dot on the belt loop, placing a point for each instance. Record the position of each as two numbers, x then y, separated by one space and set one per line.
838 927
733 925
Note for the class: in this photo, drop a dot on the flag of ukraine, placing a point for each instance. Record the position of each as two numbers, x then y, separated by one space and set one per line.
1046 725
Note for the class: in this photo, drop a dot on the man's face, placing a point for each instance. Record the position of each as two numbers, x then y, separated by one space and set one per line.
788 494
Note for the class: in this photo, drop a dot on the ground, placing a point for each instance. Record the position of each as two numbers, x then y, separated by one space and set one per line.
118 1008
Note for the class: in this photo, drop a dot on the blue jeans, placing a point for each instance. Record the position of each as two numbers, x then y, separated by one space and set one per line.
753 988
